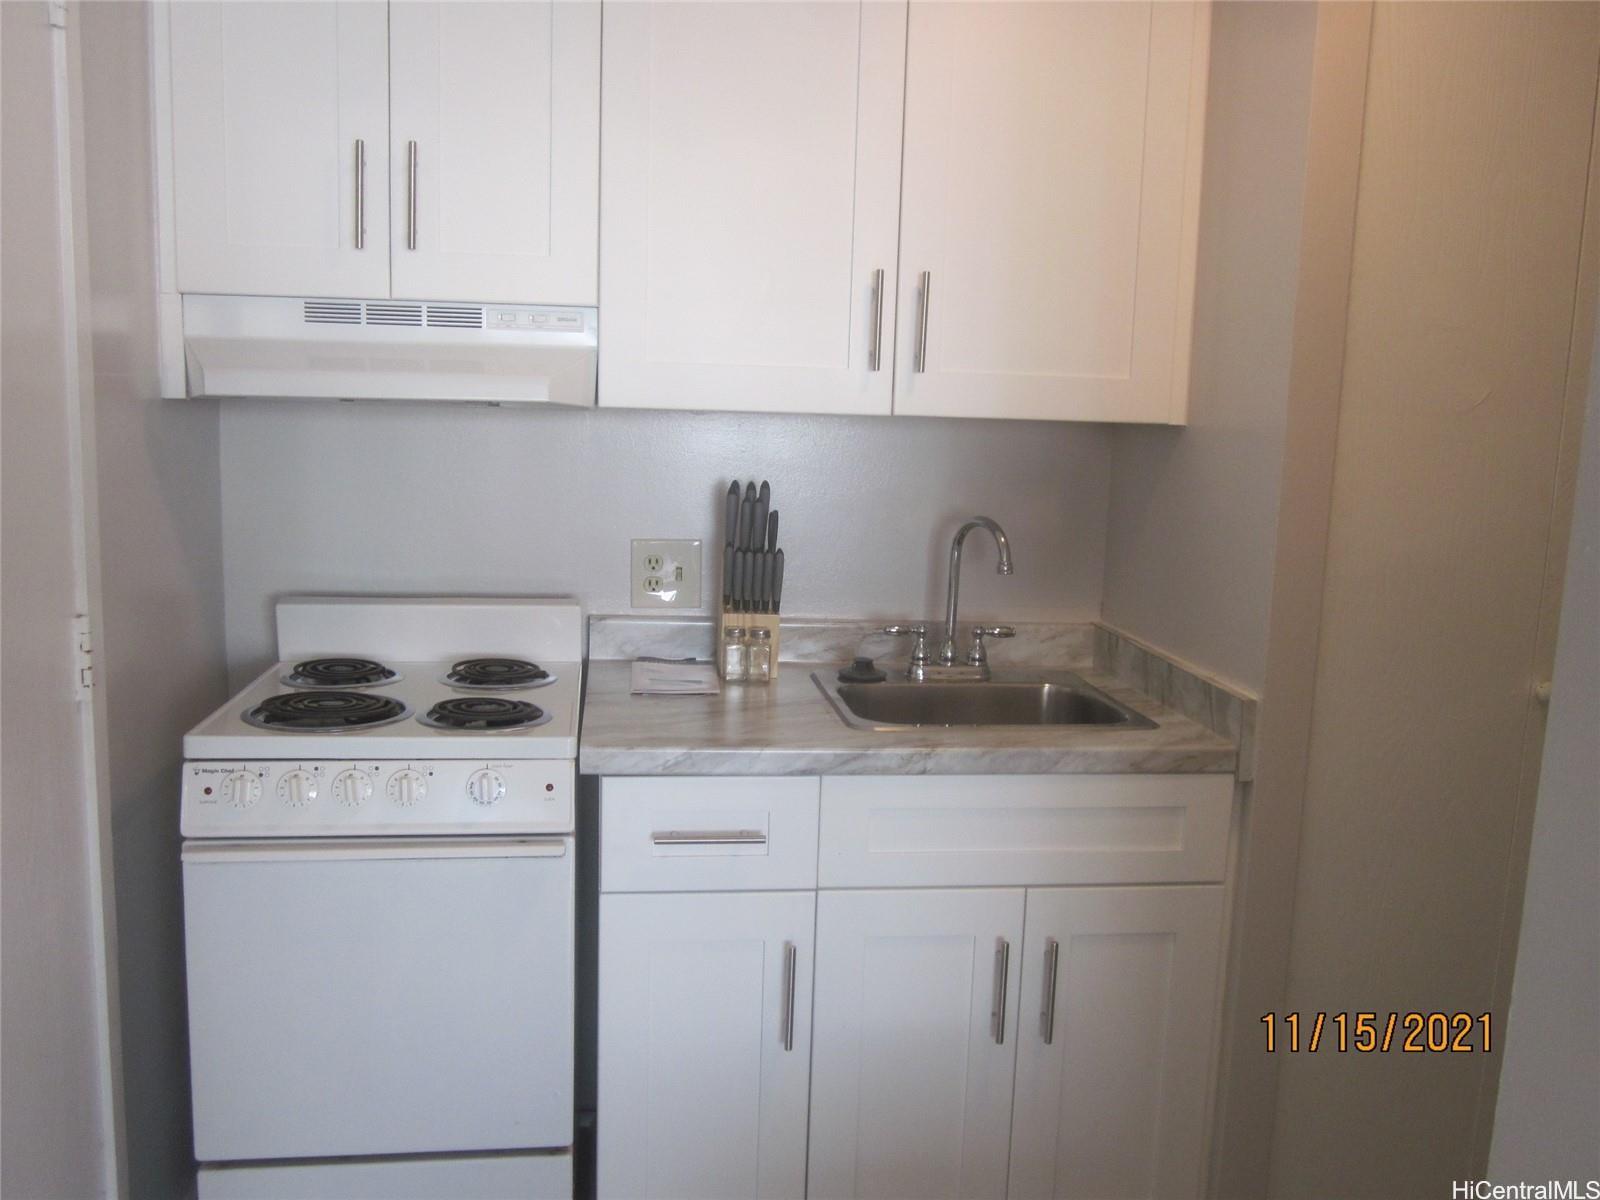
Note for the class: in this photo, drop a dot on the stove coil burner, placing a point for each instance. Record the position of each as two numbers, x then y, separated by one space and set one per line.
339 673
498 674
325 712
484 714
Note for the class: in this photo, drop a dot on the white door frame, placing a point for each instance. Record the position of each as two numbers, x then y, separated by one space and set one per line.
78 374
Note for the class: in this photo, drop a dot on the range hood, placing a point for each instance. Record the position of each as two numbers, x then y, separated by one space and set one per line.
388 350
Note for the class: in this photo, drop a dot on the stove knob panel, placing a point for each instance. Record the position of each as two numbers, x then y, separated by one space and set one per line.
297 789
486 787
352 789
407 787
241 789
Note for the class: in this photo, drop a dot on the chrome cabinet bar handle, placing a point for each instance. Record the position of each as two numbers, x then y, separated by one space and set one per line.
875 356
361 194
921 364
411 195
709 837
1047 1013
1002 970
790 958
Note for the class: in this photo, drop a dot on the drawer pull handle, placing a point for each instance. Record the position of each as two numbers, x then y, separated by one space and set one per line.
1047 1013
709 837
789 973
1002 970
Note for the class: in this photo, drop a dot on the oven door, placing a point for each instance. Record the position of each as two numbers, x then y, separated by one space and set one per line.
361 997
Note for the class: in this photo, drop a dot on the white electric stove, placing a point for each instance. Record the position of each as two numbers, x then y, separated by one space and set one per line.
378 880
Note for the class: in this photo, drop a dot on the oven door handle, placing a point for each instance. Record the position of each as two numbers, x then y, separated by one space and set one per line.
354 849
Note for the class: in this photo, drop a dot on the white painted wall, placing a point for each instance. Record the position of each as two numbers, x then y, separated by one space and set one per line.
1193 511
53 1129
1549 1104
161 643
419 498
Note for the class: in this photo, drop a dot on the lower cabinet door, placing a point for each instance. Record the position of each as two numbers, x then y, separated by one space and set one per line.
704 1045
916 1034
1114 1061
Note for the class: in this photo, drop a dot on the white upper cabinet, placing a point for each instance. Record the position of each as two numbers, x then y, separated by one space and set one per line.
1051 194
750 172
420 151
494 136
273 108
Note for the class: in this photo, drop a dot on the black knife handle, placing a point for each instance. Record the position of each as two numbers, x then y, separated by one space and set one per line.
758 525
730 514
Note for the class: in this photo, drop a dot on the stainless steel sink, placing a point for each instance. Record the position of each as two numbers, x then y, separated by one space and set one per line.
1038 699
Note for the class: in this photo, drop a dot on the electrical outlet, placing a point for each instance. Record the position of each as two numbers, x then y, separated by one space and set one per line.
666 574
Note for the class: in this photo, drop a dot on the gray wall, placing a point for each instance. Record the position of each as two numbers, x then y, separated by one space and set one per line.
53 1132
1193 511
433 498
1549 1104
161 649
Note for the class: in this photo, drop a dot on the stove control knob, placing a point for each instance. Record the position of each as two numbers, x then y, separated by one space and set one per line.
407 787
352 789
297 789
241 789
486 787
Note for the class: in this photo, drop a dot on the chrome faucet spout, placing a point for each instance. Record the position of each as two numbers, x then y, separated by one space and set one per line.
947 652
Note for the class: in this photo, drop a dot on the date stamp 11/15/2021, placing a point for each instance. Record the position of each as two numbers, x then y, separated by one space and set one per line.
1378 1032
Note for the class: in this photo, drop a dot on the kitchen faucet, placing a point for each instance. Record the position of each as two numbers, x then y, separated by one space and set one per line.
922 666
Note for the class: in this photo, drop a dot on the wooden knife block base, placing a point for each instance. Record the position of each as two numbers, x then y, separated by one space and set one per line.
738 620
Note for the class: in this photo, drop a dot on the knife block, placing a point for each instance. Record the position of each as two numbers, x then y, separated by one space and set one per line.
744 620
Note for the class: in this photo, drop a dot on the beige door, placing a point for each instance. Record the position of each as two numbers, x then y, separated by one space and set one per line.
1462 385
61 1131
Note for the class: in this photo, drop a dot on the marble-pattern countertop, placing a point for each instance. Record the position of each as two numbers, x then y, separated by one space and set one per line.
789 728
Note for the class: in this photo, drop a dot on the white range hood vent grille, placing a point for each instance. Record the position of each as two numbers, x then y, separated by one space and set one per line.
387 312
353 349
332 312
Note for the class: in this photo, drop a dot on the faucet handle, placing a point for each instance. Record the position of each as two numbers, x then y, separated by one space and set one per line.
919 647
978 656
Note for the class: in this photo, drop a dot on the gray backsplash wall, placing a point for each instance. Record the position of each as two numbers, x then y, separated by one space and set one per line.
411 498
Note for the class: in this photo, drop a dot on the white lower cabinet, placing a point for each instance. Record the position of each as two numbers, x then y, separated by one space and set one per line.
1013 1035
915 1042
704 1045
1114 1050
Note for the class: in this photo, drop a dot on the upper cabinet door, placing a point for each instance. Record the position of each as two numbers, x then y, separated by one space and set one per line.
495 121
1114 1065
1051 190
914 1040
274 108
750 171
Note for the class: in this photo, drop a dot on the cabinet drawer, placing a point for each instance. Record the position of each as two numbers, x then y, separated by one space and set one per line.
968 830
697 833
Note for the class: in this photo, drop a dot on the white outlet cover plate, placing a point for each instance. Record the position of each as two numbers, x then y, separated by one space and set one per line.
666 573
